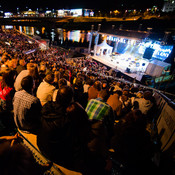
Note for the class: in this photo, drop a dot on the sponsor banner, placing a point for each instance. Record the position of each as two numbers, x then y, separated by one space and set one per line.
166 127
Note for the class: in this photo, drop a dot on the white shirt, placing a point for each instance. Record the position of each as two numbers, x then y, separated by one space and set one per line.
19 78
55 94
45 92
144 105
86 87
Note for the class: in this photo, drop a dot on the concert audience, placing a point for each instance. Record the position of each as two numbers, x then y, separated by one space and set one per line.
73 113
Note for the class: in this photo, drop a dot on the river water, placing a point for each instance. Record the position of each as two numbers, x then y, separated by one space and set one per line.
57 36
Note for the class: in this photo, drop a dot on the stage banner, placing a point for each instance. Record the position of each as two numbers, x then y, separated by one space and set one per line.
30 51
166 127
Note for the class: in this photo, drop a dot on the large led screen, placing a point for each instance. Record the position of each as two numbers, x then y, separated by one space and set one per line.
161 52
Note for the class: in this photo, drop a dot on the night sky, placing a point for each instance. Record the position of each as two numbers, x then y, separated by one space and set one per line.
92 4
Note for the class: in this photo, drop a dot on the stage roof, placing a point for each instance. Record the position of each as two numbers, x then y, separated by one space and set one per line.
140 35
128 34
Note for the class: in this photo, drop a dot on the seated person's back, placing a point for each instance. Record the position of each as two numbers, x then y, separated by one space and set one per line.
27 108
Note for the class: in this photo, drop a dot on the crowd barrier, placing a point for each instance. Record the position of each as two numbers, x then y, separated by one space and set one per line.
165 122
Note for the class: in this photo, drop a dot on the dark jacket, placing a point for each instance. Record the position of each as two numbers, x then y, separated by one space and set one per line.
53 139
59 139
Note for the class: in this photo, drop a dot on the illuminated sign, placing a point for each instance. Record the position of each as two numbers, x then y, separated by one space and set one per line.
8 14
91 13
8 27
76 12
60 12
163 52
111 38
48 11
160 52
121 40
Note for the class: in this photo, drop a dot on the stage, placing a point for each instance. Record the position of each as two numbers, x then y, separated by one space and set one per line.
126 64
132 56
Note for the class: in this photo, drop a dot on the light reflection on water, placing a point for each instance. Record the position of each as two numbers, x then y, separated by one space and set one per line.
58 34
76 35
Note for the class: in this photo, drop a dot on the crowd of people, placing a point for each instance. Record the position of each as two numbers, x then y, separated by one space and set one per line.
83 120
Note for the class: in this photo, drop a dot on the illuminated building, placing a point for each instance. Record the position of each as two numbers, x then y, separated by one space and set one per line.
29 13
75 12
169 6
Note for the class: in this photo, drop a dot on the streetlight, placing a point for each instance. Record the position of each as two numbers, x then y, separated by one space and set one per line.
17 10
99 26
99 13
113 26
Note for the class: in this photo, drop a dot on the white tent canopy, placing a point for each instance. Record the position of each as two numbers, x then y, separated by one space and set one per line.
104 49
